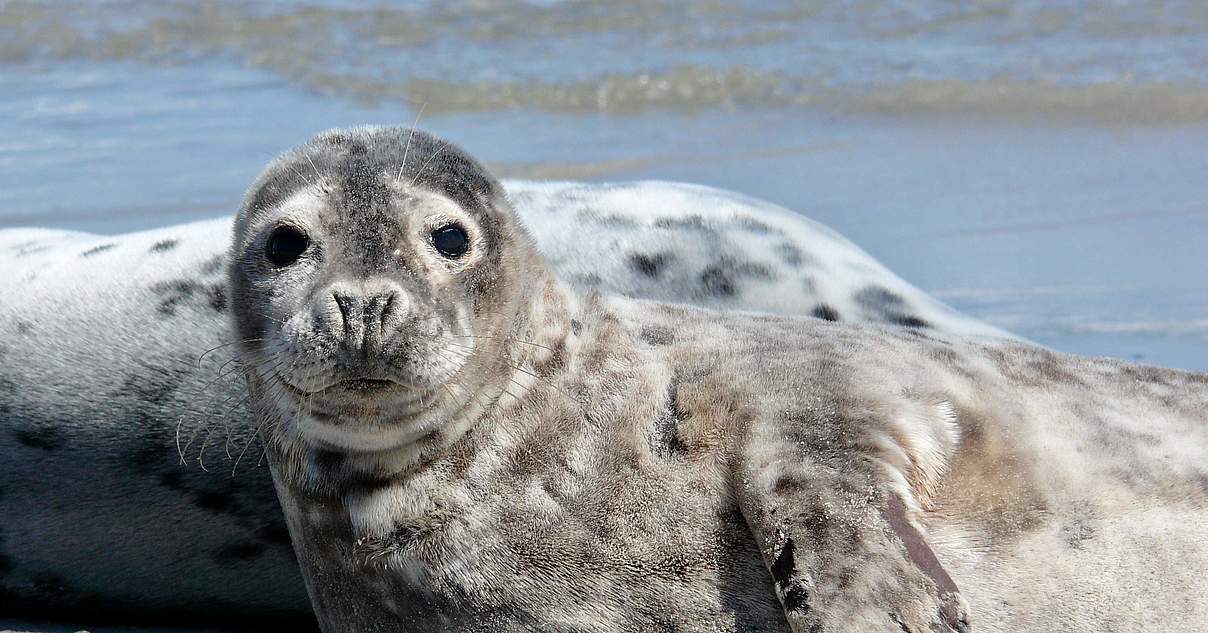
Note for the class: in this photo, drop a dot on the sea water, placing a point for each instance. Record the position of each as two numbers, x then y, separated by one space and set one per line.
1042 165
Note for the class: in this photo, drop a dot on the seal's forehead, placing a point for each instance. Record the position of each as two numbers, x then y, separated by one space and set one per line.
364 169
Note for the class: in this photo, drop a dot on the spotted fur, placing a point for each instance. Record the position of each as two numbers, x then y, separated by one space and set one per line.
100 341
606 464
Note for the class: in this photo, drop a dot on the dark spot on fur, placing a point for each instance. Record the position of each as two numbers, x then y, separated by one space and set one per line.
274 532
648 265
148 397
24 327
164 245
213 265
8 393
217 297
214 501
588 280
720 279
50 583
576 326
613 220
691 222
171 480
790 254
879 298
751 224
327 462
6 562
553 361
784 571
656 335
29 248
717 282
906 320
47 438
98 249
153 384
825 312
786 484
666 440
174 293
1076 533
239 552
888 305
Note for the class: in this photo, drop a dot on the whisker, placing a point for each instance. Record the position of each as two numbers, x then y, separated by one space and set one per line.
424 168
407 147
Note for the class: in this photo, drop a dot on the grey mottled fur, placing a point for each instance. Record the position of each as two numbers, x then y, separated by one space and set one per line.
567 462
100 341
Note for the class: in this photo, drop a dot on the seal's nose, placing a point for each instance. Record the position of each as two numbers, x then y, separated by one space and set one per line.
369 313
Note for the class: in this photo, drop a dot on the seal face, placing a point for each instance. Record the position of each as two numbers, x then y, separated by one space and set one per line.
377 288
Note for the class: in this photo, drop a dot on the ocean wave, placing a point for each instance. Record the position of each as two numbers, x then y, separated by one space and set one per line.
1100 61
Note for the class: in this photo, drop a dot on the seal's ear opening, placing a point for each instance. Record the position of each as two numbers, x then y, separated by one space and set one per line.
953 612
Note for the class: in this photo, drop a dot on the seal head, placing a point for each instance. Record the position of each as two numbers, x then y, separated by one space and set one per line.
374 297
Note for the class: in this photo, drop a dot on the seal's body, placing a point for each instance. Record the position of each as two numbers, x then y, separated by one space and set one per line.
461 440
110 361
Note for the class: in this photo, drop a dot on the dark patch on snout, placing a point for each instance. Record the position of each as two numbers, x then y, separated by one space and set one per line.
657 335
237 552
164 246
825 312
784 572
47 438
648 264
95 250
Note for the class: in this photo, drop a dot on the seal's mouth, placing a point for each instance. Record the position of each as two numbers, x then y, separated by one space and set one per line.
367 385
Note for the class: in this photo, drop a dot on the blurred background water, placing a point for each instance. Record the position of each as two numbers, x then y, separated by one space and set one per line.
1040 164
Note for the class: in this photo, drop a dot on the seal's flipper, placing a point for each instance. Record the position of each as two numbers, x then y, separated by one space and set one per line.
837 525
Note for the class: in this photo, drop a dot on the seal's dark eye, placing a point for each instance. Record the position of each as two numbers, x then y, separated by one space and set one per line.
285 245
451 240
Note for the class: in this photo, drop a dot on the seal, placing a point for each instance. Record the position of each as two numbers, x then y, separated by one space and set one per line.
123 422
462 441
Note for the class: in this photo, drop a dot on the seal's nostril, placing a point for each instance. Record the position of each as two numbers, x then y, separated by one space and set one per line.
345 303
